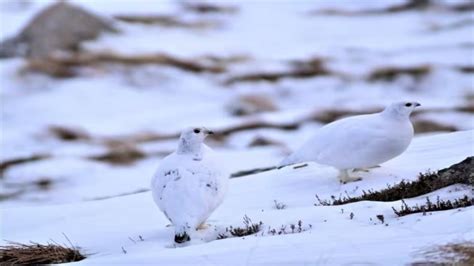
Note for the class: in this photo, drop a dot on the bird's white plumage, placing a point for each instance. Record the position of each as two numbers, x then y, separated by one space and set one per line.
360 141
189 184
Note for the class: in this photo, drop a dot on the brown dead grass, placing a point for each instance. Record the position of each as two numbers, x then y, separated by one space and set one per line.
64 66
424 126
168 21
390 73
120 153
300 69
34 254
460 254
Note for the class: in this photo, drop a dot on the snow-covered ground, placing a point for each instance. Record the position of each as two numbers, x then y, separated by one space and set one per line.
100 205
107 227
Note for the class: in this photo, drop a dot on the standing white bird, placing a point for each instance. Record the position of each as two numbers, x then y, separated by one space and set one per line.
361 141
189 183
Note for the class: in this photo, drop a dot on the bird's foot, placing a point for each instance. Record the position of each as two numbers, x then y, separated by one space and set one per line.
169 225
366 170
344 177
181 238
203 226
350 179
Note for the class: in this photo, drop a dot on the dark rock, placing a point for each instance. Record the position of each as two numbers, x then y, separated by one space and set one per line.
60 27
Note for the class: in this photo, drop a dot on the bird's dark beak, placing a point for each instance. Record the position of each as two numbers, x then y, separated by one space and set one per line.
417 104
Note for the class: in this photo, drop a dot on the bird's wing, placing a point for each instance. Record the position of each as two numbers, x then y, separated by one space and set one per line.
340 137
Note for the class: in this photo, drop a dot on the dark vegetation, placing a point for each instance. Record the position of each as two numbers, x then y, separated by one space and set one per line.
254 228
249 228
439 205
460 173
279 205
34 254
289 229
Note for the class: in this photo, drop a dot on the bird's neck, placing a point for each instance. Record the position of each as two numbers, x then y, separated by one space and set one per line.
191 148
392 113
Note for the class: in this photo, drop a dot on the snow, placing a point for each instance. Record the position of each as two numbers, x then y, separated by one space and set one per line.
334 238
112 102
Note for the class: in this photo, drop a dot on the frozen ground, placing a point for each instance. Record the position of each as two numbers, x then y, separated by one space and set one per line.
99 205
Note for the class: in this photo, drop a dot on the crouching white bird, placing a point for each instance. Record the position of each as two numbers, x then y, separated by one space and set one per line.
189 184
361 141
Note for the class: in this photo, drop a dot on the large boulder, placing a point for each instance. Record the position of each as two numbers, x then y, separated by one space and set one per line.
59 27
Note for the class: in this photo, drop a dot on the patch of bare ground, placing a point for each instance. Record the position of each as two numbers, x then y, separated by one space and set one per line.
299 69
460 173
65 66
468 69
251 104
68 133
425 126
259 141
120 153
169 21
4 165
34 254
208 8
408 5
461 253
390 73
14 190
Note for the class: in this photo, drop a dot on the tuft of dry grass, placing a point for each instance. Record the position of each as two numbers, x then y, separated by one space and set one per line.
34 253
461 253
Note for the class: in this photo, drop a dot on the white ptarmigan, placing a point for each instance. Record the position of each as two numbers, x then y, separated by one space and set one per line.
360 141
189 184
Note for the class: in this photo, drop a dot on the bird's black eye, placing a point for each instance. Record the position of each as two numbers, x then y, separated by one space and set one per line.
408 104
197 130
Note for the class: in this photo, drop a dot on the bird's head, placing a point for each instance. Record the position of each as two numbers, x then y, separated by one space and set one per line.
191 139
401 109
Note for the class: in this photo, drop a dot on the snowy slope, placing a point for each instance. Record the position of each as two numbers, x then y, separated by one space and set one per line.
103 227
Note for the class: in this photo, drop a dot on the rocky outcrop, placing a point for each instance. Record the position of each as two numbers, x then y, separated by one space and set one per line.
60 27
